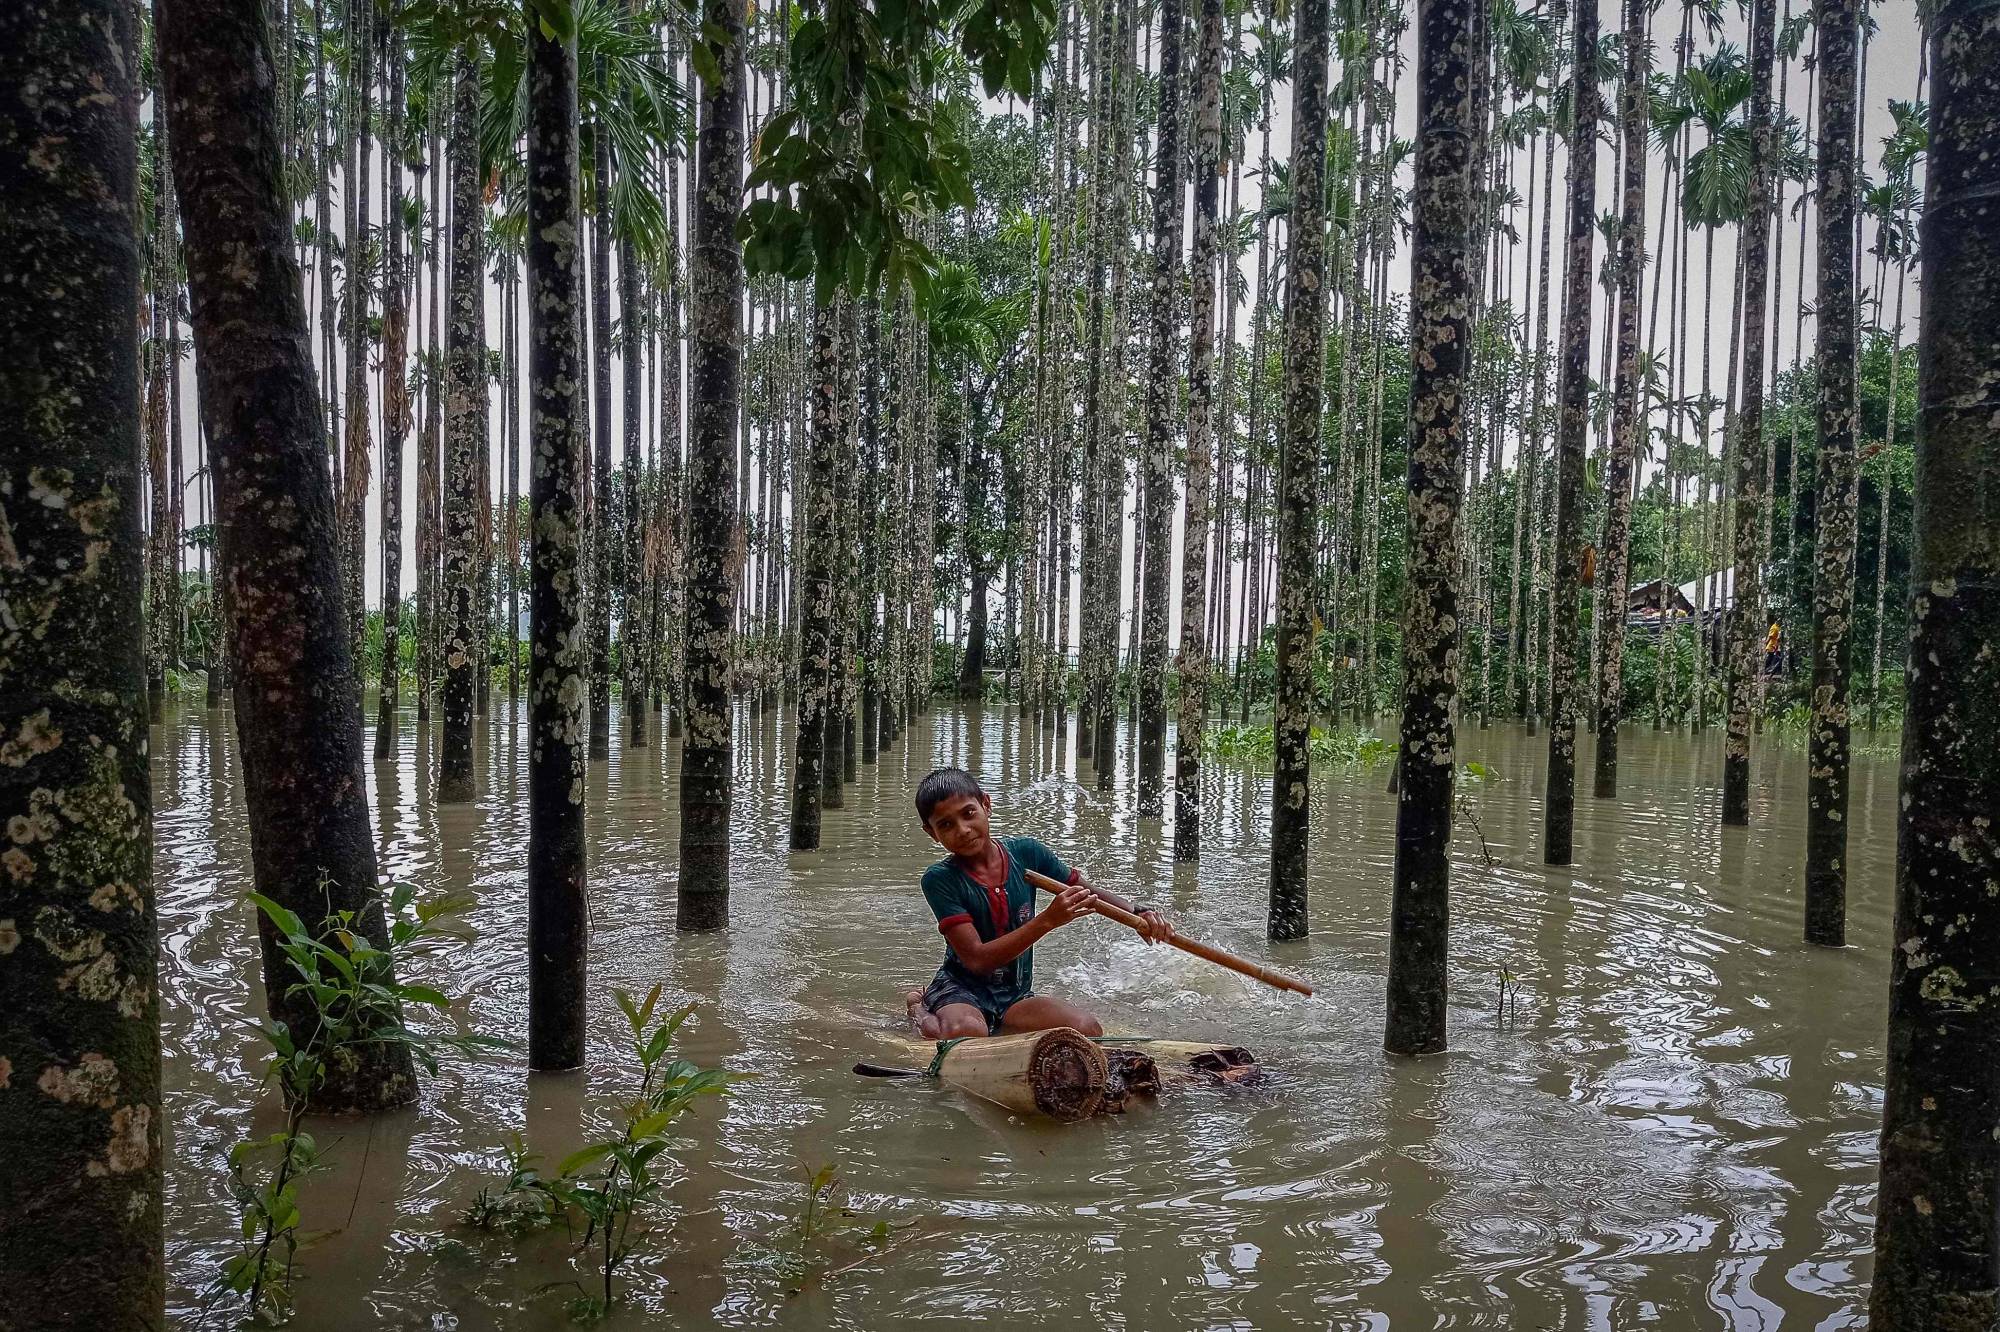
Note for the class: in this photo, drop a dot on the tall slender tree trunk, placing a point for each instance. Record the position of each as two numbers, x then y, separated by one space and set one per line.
602 526
465 432
298 714
840 713
1250 636
816 596
158 395
715 369
1887 503
559 664
1937 1230
1114 418
1526 464
1371 561
1573 399
1298 468
80 1022
1531 655
429 366
1794 600
395 411
1103 190
1745 658
323 231
1162 393
510 527
1444 250
1194 650
1828 758
925 506
870 626
895 545
354 468
1628 418
674 518
631 624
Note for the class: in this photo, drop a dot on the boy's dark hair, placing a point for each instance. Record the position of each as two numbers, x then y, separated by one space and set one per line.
940 785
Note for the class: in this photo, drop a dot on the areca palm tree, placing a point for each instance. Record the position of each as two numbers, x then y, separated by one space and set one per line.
558 920
1744 625
1194 648
1895 244
1936 1240
1443 248
817 627
396 418
1162 383
1828 757
72 693
1298 467
1572 395
358 444
1714 193
465 433
1627 422
299 705
715 296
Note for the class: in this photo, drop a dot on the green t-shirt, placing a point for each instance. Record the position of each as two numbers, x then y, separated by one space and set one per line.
955 895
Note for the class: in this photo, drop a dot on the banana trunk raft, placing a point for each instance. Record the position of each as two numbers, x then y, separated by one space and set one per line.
1066 1075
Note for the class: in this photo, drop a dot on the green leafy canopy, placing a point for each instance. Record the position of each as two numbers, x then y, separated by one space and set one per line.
868 146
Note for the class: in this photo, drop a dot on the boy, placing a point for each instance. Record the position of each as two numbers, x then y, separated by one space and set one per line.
986 911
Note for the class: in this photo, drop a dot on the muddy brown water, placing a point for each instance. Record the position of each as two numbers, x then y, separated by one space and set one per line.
1677 1126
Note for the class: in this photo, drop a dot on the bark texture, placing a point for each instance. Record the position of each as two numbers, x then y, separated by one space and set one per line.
1627 420
464 440
603 521
816 592
632 634
1444 256
80 1123
1298 468
396 418
1937 1230
1827 757
1573 407
354 468
298 696
869 628
1162 392
1194 645
558 661
715 372
1746 614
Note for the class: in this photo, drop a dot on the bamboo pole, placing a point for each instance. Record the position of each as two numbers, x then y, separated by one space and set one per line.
1277 980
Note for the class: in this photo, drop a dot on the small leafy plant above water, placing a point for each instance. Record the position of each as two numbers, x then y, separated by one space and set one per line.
607 1183
826 1237
354 999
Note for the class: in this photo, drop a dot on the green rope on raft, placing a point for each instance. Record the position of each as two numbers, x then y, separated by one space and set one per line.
943 1048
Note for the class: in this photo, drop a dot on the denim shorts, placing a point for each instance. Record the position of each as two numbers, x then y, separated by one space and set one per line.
946 988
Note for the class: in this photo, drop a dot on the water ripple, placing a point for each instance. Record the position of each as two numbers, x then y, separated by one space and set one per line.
1673 1121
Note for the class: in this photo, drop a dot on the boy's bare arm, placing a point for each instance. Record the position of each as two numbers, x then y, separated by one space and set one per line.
985 956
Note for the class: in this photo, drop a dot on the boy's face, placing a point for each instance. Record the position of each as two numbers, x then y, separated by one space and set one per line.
960 824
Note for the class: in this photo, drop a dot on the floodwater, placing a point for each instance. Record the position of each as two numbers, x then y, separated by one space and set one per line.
1675 1124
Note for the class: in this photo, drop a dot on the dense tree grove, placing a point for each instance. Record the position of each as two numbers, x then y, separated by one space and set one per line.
709 359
